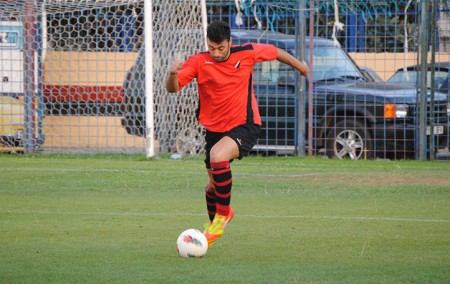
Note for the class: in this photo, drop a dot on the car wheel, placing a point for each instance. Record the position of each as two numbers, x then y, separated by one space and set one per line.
349 139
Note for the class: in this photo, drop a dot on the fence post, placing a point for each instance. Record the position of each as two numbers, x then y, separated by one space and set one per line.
433 52
301 94
29 86
423 45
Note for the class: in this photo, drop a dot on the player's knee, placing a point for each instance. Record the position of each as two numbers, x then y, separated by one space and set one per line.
224 152
217 155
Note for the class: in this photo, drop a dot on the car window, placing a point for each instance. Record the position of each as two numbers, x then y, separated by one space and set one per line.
412 77
270 72
408 78
331 62
273 73
440 77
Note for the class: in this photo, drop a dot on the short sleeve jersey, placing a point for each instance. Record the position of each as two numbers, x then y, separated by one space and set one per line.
225 89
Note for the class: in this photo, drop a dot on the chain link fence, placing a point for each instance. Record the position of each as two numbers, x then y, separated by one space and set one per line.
73 76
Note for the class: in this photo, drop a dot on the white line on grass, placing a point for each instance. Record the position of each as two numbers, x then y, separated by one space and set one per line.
145 214
197 173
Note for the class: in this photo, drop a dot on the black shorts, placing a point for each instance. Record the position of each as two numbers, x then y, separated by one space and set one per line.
245 136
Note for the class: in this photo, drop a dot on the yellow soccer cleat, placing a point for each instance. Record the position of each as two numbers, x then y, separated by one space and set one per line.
217 227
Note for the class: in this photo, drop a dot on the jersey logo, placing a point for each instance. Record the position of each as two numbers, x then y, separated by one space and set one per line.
209 62
238 64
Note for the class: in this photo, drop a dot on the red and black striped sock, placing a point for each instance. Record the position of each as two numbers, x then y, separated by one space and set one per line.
210 194
221 173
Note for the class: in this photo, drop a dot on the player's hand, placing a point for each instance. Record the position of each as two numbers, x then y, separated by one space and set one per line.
175 67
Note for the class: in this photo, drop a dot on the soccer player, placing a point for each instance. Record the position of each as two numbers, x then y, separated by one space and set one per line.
227 109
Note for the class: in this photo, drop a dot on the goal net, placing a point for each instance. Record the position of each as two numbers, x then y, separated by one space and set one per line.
73 75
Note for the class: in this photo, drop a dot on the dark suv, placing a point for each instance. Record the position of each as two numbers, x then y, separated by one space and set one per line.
353 117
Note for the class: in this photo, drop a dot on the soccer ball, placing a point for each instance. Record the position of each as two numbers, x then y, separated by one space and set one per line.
192 243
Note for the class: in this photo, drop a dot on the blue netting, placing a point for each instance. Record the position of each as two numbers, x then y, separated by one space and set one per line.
369 9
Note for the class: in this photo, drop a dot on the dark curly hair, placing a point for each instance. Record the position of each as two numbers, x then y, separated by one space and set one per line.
218 31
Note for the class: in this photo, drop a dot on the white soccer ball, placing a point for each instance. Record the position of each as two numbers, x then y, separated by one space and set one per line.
192 243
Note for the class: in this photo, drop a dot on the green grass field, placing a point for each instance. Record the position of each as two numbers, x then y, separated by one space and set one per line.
116 218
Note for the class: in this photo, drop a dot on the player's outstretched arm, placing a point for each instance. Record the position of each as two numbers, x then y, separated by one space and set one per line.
290 60
172 84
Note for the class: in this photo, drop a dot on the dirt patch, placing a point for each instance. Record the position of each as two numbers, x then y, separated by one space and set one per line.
436 179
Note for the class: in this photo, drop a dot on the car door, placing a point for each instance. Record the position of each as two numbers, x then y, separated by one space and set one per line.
275 88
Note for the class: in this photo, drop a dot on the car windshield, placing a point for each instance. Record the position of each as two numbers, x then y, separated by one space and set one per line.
332 63
412 77
329 64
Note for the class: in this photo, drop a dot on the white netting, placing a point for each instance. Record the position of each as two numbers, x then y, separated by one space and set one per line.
74 75
175 119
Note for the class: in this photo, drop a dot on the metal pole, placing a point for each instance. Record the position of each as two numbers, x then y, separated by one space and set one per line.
301 103
433 51
204 21
310 81
423 81
148 45
29 76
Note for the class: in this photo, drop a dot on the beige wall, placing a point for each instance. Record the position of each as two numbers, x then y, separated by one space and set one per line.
87 68
110 68
385 64
88 132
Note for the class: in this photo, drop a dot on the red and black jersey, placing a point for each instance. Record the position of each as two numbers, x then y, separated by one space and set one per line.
226 91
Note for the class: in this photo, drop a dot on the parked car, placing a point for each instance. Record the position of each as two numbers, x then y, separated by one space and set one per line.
354 117
411 76
12 125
